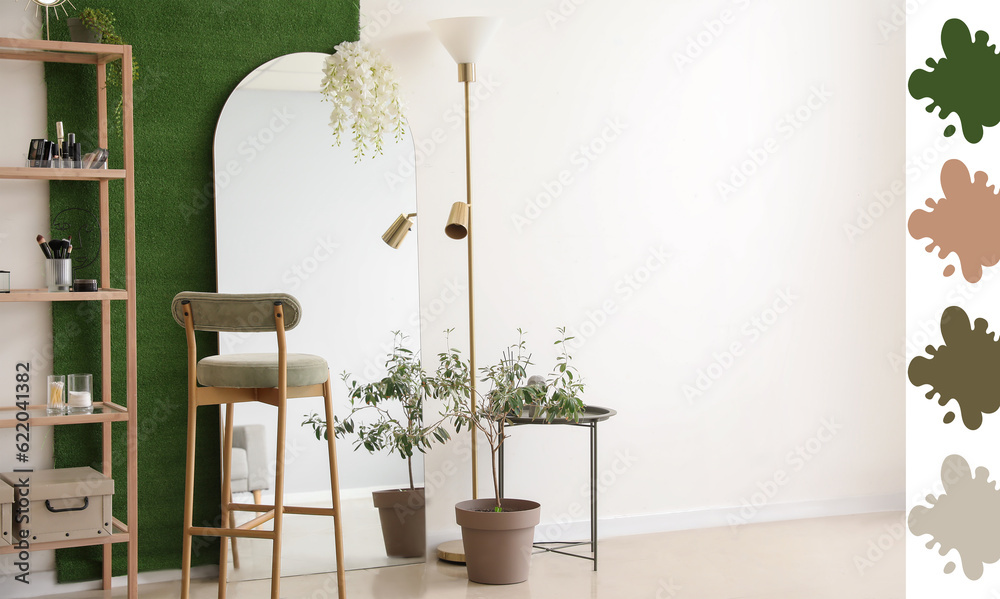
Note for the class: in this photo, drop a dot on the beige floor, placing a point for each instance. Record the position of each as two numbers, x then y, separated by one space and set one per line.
803 559
307 543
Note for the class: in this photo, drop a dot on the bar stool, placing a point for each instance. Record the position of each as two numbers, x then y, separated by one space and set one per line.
236 378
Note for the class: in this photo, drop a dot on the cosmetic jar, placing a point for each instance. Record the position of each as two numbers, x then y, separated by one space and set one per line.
84 284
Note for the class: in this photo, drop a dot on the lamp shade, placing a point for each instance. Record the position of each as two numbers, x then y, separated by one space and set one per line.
465 38
396 232
458 221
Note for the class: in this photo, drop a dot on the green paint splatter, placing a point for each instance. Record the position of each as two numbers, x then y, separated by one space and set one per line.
966 368
966 81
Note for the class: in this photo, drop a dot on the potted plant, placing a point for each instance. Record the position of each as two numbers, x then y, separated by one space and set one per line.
387 415
97 25
498 532
91 25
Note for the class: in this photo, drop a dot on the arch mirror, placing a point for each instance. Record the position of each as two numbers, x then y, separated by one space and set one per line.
297 215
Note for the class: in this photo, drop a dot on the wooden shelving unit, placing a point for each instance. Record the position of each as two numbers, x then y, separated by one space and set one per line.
106 411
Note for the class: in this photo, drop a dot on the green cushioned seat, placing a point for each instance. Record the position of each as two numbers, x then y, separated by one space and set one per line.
252 371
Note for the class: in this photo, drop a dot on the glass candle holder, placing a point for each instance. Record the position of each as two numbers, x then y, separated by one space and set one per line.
4 281
58 274
55 404
80 396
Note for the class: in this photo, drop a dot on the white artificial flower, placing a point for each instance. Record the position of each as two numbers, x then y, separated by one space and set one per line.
365 95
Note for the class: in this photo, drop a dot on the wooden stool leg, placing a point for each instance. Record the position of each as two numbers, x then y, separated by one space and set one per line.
335 491
188 501
232 524
227 495
236 551
279 498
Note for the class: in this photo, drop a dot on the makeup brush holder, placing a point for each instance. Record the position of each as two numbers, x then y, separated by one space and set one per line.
59 274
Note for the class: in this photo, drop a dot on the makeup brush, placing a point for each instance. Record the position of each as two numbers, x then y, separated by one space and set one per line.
45 247
58 247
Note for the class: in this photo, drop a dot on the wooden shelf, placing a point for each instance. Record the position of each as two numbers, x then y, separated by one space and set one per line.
103 412
60 174
44 295
119 536
49 51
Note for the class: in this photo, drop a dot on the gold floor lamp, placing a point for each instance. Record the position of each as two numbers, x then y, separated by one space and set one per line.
465 38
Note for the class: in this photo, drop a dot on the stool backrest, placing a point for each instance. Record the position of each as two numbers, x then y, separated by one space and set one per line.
236 312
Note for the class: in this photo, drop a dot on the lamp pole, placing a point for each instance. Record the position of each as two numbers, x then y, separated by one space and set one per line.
466 75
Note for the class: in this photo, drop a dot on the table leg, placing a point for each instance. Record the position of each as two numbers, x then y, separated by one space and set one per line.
593 491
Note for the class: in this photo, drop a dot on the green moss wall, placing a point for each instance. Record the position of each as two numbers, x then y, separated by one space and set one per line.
191 54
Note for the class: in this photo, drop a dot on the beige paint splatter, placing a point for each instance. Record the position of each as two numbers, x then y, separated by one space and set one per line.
965 221
965 517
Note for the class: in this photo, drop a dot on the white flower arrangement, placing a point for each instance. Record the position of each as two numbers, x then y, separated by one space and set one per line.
365 95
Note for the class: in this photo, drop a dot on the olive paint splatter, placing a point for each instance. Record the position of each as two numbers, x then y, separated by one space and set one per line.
966 368
965 517
966 81
965 221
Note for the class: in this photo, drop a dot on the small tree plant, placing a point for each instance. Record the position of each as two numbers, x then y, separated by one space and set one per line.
405 385
508 394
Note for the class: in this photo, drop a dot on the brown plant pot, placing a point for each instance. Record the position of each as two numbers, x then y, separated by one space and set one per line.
403 525
79 33
497 544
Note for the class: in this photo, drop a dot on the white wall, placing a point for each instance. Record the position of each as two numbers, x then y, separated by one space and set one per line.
24 213
549 88
815 92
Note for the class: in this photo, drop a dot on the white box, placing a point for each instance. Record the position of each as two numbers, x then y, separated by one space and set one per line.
6 514
66 503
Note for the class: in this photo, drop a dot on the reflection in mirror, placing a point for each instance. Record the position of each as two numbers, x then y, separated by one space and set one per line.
297 215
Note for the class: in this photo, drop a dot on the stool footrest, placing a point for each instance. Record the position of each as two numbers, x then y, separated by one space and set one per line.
252 524
288 509
202 531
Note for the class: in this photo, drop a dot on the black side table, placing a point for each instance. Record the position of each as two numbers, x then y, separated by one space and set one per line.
590 417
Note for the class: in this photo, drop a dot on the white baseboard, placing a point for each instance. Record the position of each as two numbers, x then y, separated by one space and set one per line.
733 517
